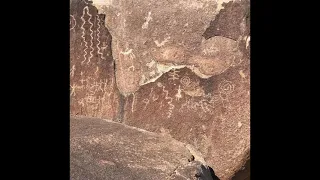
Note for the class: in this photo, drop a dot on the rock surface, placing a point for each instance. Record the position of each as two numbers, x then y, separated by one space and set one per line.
101 149
151 37
93 90
179 68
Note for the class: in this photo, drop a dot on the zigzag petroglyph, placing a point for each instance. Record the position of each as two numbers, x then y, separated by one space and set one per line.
98 39
91 35
83 34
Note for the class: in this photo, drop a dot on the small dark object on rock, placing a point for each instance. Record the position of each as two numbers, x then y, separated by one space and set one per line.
197 175
191 158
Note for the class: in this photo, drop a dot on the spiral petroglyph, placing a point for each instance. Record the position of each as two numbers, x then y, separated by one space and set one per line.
185 81
226 87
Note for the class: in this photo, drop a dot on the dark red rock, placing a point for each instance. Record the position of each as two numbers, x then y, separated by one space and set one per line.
228 22
210 114
93 91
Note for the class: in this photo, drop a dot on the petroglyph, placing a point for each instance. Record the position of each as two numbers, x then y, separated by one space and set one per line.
128 52
133 101
226 87
91 36
73 22
74 87
247 42
146 102
162 43
98 38
72 70
171 106
178 95
191 88
151 64
73 90
96 72
85 1
242 74
85 9
148 18
173 75
204 105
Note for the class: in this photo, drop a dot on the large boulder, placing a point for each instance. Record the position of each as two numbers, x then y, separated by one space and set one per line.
179 68
101 149
151 37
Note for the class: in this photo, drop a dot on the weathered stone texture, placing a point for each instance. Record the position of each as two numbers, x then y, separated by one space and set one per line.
93 90
102 149
211 114
179 68
165 32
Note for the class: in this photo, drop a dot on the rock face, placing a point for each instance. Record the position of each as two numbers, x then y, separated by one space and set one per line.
147 35
102 149
93 89
180 68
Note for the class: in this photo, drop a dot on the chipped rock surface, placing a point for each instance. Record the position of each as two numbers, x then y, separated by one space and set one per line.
101 149
179 68
167 32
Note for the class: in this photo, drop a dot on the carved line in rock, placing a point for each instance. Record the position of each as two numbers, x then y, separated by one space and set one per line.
171 106
98 39
72 19
84 33
91 36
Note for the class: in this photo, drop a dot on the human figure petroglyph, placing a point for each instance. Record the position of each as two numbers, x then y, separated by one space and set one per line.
178 95
173 75
96 72
73 90
146 102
